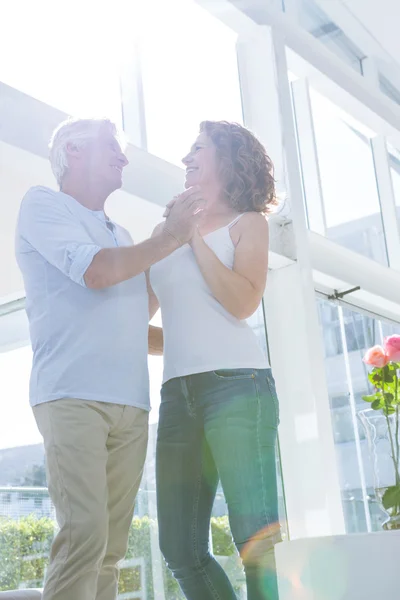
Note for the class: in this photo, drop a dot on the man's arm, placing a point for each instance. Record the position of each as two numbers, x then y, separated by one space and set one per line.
113 265
47 225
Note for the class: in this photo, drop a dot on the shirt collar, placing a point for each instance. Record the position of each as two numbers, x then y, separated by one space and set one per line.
99 214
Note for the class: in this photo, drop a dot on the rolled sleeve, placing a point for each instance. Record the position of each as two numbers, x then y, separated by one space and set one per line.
80 260
47 225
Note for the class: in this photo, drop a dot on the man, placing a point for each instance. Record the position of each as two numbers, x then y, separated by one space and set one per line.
87 305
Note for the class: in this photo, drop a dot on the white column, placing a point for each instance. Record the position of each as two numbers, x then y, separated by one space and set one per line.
156 558
310 473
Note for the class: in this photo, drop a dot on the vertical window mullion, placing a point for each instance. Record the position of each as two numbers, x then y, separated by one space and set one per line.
354 420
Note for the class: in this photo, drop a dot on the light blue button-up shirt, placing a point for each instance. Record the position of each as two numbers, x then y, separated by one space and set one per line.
87 344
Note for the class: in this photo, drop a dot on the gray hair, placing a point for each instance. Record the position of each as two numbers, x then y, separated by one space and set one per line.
78 132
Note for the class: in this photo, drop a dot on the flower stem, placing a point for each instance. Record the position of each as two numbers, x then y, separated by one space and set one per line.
397 424
394 453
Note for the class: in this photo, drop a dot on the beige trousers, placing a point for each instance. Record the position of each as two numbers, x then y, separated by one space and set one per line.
95 454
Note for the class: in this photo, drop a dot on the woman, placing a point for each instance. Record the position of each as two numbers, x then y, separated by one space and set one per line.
219 410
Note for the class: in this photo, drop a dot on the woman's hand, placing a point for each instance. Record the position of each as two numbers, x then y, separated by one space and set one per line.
196 239
187 193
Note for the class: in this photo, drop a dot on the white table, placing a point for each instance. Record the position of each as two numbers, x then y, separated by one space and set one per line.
346 567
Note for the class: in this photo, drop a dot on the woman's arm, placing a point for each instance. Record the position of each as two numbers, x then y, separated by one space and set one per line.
239 290
156 338
154 305
156 341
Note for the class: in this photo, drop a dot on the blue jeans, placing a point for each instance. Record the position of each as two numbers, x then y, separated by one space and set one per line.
220 425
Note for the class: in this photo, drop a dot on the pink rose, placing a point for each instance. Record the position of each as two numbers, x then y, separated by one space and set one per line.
376 357
392 347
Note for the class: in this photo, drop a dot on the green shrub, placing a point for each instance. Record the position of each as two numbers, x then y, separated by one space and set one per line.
221 537
25 546
19 540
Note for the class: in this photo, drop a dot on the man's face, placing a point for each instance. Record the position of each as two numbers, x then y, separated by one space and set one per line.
102 161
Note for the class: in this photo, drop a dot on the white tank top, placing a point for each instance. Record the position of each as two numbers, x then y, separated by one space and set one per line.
200 335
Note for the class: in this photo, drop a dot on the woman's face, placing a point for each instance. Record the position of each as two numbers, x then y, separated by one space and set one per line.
202 164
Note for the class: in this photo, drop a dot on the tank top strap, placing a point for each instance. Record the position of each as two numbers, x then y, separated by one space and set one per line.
235 221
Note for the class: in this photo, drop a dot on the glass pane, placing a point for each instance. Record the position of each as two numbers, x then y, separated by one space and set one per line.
350 196
68 61
190 63
314 20
26 513
361 332
394 162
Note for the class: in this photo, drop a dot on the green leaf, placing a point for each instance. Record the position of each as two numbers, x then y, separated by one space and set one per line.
377 404
388 374
375 377
391 497
388 410
369 398
389 397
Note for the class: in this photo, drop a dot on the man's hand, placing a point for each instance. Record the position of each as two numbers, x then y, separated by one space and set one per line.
184 214
169 206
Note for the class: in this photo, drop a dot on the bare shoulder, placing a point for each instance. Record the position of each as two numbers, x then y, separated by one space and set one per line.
252 220
158 229
251 224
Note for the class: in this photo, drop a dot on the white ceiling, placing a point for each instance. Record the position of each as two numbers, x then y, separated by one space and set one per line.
382 19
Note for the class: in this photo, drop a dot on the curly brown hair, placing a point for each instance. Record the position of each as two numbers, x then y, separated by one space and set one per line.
246 169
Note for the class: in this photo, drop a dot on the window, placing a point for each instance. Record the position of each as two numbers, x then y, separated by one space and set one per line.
349 201
68 62
353 333
191 64
314 20
394 163
361 330
354 510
